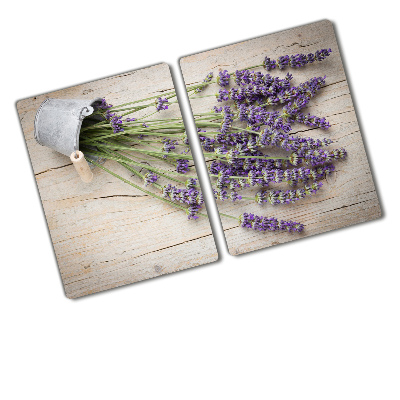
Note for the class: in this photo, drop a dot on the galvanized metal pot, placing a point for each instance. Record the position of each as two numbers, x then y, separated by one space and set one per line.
58 123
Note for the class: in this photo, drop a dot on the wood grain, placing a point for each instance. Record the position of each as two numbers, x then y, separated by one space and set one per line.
349 196
107 234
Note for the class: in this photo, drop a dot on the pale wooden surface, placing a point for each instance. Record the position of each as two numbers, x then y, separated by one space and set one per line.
347 198
105 233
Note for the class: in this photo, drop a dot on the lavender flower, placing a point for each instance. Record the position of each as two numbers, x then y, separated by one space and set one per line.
220 194
295 175
223 78
192 211
263 224
150 178
191 183
228 117
223 95
184 196
191 197
287 196
207 144
161 104
307 119
246 77
256 116
289 143
103 105
296 61
242 77
168 145
115 121
199 198
234 196
182 166
223 179
206 81
319 157
270 92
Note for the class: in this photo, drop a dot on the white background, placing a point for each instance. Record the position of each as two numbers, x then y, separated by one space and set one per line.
314 319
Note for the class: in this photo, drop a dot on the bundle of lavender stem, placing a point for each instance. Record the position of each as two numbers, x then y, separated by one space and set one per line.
234 139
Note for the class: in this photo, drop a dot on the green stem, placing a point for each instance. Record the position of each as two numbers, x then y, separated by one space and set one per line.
141 189
159 171
228 216
132 162
115 146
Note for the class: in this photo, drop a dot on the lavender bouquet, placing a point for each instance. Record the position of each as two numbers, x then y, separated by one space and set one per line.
236 135
234 138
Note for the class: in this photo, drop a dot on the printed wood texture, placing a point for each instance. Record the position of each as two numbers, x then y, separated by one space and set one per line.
348 197
106 233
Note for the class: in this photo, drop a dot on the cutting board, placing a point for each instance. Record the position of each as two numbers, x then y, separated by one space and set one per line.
348 197
106 234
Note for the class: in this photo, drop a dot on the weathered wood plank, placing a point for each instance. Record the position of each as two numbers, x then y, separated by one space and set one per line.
349 196
107 234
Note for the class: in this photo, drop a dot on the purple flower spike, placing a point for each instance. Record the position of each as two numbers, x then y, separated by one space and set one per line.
206 81
288 196
318 156
161 104
104 105
220 194
223 95
184 196
263 224
192 211
191 183
182 166
193 198
296 61
226 123
115 121
223 78
150 178
234 196
168 145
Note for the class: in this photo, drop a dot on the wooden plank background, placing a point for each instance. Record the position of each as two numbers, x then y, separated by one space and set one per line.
348 197
107 234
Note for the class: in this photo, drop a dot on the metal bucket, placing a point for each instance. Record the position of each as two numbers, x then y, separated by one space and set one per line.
58 123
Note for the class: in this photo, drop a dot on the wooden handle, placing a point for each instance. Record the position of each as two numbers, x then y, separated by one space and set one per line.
81 166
